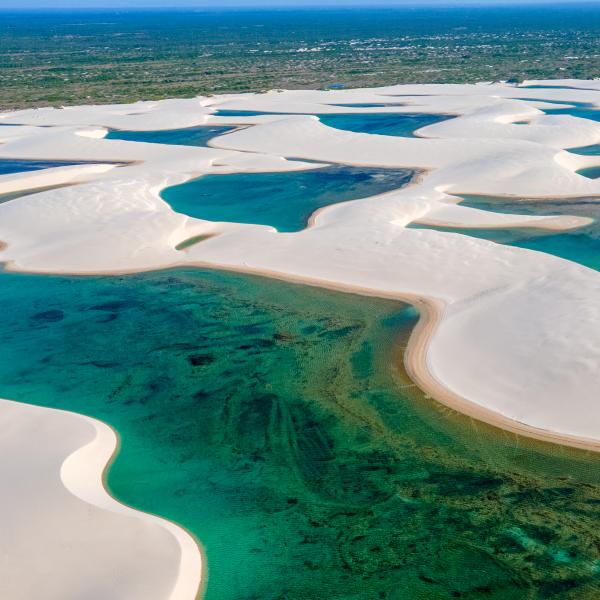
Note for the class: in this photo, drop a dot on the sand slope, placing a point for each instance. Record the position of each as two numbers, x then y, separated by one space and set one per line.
63 537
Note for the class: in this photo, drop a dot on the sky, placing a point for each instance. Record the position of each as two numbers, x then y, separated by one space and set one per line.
29 4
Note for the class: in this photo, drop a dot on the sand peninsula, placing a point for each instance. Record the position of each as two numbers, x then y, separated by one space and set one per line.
509 336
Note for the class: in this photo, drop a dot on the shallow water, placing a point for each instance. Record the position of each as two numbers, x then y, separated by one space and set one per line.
271 421
8 165
192 136
590 172
283 200
386 124
580 245
581 110
551 87
244 113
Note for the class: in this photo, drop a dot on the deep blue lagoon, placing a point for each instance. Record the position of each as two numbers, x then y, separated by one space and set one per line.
9 166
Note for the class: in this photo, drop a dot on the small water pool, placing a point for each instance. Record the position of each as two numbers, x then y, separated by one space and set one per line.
399 125
9 165
593 150
590 172
192 136
583 111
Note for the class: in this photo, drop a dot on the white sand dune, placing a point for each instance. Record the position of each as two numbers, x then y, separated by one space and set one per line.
512 336
63 537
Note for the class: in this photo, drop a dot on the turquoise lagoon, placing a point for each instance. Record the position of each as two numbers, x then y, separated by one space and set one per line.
578 109
192 136
402 125
275 423
283 200
590 172
582 110
383 124
393 124
580 245
593 150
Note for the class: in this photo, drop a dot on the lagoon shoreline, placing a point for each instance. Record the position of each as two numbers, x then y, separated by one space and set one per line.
109 219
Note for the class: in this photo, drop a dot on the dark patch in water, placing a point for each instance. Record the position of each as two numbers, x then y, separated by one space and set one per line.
114 305
200 360
50 316
462 483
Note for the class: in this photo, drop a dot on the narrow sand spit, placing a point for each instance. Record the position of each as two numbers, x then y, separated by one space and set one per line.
507 335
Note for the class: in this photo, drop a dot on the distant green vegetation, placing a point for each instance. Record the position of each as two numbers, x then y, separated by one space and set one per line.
84 57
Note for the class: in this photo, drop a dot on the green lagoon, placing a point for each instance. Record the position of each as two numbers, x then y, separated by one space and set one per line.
275 423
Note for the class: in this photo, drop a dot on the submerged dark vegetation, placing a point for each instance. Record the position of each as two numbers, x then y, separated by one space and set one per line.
274 422
100 57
